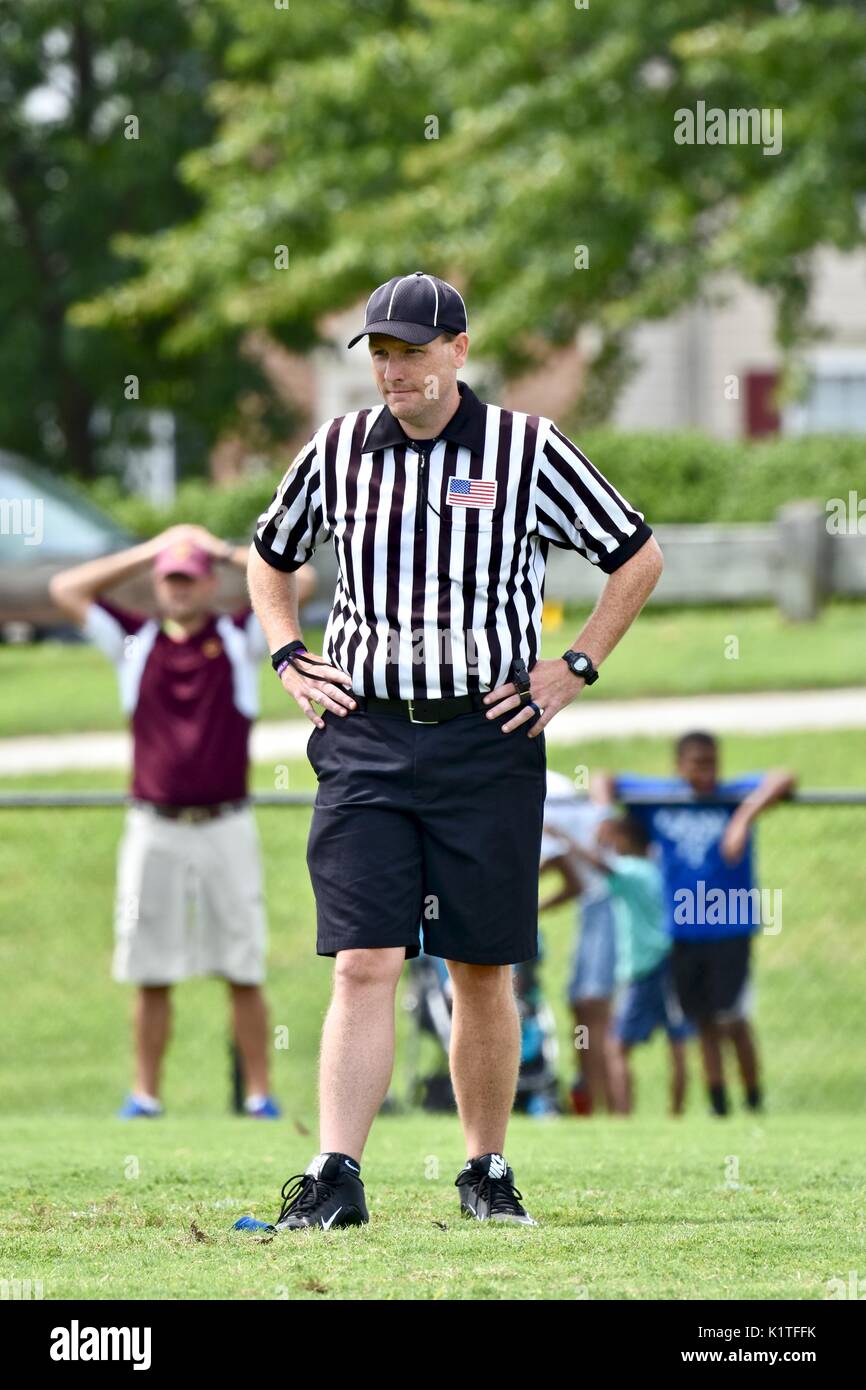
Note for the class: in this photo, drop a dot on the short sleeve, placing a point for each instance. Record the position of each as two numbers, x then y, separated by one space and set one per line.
109 627
627 784
742 786
294 523
578 509
551 848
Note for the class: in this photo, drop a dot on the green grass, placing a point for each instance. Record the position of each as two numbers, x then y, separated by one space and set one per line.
631 1208
57 868
52 688
103 1210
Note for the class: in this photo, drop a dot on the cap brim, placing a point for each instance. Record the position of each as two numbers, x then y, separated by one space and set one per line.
407 332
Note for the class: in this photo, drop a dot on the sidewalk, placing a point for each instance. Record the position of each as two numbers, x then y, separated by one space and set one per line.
797 711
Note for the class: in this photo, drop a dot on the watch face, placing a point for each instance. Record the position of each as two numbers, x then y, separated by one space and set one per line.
581 663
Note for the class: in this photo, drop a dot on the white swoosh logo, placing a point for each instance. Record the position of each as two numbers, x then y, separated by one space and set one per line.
326 1225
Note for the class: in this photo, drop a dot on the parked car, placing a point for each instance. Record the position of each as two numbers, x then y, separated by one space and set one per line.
46 526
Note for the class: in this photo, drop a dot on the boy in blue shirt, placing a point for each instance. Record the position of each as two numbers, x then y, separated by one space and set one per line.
711 902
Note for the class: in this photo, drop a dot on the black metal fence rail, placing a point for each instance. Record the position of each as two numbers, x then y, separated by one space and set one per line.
77 800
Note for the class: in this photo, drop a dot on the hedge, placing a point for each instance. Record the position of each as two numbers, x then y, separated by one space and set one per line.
684 477
692 478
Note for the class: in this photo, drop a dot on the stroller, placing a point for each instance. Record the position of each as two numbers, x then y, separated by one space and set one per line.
428 1002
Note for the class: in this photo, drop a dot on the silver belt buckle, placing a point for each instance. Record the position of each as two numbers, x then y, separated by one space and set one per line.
413 720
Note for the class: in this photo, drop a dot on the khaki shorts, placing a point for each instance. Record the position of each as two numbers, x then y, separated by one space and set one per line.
190 900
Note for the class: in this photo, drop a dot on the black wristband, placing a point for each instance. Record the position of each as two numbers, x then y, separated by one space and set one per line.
285 653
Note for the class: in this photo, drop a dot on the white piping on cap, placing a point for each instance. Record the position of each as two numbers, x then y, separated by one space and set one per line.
463 302
421 275
394 291
436 293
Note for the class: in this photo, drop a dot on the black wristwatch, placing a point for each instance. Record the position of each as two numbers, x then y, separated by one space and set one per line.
581 665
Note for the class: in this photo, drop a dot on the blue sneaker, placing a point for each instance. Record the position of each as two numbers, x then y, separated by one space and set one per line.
132 1109
265 1108
249 1223
542 1107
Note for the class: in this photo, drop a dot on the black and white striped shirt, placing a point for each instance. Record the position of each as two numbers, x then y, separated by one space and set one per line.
436 597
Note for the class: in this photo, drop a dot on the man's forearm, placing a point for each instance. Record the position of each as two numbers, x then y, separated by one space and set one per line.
237 555
274 596
94 576
564 895
570 887
588 856
622 598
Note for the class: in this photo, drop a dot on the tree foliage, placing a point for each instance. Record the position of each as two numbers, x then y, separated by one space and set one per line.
76 82
553 130
293 155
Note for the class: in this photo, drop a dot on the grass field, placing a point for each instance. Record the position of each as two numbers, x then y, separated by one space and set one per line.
65 1029
633 1208
50 688
100 1210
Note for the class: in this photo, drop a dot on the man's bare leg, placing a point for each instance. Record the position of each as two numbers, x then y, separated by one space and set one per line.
485 1052
152 1028
678 1077
619 1072
743 1038
250 1020
594 1015
711 1052
357 1052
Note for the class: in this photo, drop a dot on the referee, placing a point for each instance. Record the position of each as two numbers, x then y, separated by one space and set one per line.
429 749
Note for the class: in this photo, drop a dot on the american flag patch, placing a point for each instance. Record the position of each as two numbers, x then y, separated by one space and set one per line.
471 492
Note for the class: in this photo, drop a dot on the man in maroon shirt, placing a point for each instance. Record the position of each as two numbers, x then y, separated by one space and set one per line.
188 681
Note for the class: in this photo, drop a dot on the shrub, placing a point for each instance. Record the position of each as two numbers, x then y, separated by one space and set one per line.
682 477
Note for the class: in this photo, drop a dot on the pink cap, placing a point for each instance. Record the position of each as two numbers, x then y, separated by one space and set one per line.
183 558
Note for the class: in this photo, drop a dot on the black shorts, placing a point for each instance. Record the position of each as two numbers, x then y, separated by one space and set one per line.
711 977
429 830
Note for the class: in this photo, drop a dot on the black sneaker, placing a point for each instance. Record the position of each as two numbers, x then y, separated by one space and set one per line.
328 1194
487 1192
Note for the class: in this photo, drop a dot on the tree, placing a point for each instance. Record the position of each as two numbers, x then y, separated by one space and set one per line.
528 151
100 101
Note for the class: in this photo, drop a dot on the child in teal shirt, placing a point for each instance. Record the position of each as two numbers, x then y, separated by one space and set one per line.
649 1000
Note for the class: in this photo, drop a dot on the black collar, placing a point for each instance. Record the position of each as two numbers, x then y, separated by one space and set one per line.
466 426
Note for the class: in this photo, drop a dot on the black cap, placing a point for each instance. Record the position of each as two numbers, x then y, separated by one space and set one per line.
416 308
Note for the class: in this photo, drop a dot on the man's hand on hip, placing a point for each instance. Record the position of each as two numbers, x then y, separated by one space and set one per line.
310 678
552 687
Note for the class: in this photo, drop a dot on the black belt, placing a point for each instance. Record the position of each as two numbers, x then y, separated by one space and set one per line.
423 711
190 813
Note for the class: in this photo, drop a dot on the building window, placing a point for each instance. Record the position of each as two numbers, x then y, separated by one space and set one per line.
834 401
